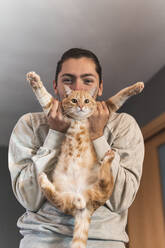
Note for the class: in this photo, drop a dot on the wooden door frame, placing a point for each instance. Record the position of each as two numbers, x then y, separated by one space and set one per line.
153 127
150 130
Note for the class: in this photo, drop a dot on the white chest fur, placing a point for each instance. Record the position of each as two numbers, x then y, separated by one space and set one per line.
76 160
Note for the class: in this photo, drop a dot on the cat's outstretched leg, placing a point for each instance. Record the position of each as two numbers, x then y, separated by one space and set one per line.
65 201
43 96
116 101
102 189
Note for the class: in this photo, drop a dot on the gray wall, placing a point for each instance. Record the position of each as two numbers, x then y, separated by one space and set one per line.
10 209
150 103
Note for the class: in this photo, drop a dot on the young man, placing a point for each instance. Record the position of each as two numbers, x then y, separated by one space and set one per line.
34 147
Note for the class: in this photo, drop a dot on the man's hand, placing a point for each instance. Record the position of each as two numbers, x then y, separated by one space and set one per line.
98 120
56 119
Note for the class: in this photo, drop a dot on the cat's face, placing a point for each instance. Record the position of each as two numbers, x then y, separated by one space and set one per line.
79 104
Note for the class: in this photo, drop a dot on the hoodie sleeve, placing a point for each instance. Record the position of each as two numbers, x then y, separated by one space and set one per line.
128 144
26 160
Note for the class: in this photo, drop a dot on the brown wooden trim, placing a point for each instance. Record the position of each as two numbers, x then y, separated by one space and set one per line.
155 126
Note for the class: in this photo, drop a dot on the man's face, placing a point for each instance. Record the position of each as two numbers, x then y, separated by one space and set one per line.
78 74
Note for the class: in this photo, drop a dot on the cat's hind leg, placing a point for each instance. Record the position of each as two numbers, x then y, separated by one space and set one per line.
67 202
105 173
48 188
100 192
45 183
105 180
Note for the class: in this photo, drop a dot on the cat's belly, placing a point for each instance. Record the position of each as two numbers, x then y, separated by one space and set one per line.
76 169
75 178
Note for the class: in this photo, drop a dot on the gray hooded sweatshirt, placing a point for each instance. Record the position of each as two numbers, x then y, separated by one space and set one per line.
34 148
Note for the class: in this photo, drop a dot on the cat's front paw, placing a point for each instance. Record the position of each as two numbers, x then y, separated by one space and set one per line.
34 79
138 87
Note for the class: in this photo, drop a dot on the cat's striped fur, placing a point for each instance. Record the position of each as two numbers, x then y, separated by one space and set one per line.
79 183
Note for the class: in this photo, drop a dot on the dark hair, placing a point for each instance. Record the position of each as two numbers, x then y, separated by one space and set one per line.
78 53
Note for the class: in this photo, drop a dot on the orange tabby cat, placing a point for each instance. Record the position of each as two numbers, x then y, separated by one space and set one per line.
79 182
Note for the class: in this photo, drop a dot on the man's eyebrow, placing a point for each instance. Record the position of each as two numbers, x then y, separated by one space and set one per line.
87 75
68 75
82 76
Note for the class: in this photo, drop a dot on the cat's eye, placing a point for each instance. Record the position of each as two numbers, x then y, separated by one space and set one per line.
74 100
86 100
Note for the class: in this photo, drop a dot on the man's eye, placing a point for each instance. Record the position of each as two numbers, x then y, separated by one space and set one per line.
74 100
67 80
88 81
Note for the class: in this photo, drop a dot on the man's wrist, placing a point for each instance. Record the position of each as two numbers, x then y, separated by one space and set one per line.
95 136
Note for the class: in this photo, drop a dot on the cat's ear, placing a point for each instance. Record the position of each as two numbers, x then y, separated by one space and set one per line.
93 92
67 90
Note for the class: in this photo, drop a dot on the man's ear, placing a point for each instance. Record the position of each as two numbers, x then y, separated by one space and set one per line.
55 87
100 91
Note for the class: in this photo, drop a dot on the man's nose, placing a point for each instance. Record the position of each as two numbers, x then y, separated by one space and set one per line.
78 85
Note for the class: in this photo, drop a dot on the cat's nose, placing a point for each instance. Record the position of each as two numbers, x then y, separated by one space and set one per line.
80 106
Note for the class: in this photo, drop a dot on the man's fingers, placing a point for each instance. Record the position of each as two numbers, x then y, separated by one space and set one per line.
54 109
105 107
99 107
59 110
102 109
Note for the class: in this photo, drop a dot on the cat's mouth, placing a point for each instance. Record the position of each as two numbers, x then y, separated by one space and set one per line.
80 114
81 110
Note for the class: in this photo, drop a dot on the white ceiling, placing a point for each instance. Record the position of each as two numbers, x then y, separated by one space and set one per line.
127 35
